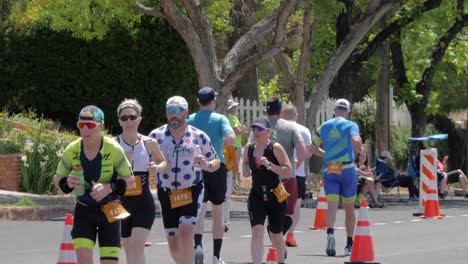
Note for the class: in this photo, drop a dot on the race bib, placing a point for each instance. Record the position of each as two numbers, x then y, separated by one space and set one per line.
135 188
334 168
180 197
114 211
281 193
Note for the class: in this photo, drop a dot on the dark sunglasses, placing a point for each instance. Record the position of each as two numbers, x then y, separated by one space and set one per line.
174 110
126 117
89 125
257 128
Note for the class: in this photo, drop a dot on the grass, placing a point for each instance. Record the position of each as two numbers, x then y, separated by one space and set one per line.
22 203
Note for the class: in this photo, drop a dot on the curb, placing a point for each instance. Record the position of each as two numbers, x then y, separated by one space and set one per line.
35 213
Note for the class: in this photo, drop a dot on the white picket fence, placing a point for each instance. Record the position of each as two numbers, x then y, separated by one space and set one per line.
250 110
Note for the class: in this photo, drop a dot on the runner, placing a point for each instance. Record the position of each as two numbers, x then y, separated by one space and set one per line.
265 160
187 150
98 210
217 127
146 159
341 141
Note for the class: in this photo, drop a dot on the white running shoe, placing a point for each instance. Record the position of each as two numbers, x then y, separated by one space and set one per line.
217 261
331 245
198 255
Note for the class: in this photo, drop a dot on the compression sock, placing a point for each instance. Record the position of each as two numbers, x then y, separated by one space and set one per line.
349 241
359 199
198 240
217 243
330 230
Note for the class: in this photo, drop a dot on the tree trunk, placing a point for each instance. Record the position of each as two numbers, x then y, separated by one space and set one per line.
383 120
374 11
242 19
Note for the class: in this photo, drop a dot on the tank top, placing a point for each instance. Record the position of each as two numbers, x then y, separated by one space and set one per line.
261 175
141 159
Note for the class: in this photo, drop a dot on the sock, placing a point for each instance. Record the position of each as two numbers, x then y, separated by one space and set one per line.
330 231
217 243
349 241
359 199
287 224
198 240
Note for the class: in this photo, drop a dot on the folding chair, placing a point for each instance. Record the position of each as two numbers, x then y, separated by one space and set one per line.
387 177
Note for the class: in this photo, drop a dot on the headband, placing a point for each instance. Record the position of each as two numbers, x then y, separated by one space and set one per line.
129 106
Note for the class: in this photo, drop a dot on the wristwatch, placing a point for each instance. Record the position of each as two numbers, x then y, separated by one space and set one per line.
270 165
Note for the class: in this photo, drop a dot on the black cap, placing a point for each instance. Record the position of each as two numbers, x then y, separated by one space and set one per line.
261 122
206 95
273 106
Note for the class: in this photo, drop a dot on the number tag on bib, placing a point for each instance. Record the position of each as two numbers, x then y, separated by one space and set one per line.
334 168
180 197
281 193
135 188
114 211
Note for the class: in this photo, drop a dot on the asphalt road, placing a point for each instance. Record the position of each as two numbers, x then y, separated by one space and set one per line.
399 238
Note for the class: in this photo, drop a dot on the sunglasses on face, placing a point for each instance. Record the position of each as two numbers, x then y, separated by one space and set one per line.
89 125
126 117
257 128
174 110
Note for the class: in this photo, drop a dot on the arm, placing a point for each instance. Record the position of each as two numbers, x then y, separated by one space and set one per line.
158 161
316 151
246 172
228 132
284 168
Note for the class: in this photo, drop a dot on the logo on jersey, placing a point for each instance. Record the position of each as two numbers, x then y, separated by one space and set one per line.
187 141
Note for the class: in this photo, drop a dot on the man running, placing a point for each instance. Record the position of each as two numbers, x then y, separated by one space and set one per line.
341 141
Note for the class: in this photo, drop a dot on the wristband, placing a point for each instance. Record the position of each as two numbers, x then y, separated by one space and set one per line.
64 186
270 165
118 187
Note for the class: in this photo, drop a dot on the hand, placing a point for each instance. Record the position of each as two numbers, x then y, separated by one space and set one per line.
200 161
264 161
73 181
100 190
152 169
297 164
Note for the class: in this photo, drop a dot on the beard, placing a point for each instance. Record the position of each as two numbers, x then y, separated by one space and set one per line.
175 123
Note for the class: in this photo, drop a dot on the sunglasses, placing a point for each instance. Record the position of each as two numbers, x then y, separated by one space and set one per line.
89 125
174 110
257 128
126 117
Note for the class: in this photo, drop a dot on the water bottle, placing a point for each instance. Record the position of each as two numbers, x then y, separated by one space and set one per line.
78 170
196 153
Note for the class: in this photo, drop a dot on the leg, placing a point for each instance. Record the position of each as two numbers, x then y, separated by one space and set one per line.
256 245
173 242
296 216
463 182
229 183
378 189
84 255
185 243
136 246
218 226
278 242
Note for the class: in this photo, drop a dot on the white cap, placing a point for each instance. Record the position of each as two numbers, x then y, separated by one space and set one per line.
177 100
386 154
231 103
343 103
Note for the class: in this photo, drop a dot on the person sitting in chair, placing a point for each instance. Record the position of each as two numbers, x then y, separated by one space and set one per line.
389 177
366 185
452 176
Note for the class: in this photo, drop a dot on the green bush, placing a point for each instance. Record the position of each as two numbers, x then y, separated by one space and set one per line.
9 146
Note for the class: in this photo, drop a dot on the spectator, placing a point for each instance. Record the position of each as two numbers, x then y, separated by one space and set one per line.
366 184
454 176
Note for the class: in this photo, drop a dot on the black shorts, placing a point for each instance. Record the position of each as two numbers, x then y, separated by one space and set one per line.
89 222
215 185
301 187
453 176
142 212
172 216
260 209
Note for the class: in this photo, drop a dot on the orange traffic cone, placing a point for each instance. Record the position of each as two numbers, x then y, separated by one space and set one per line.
363 248
67 250
431 208
320 210
271 257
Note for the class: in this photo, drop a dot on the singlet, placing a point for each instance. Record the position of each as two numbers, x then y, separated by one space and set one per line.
261 175
179 156
336 134
141 159
109 160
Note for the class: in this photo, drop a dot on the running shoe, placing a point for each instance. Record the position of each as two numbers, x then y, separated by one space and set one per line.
217 261
290 241
331 245
198 255
347 250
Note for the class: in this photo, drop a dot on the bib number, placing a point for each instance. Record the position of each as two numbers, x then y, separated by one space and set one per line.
180 197
334 168
135 188
114 211
281 193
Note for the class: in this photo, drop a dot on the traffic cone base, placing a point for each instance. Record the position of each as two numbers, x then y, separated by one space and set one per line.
432 209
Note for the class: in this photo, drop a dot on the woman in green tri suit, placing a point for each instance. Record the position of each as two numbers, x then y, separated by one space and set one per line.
98 210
